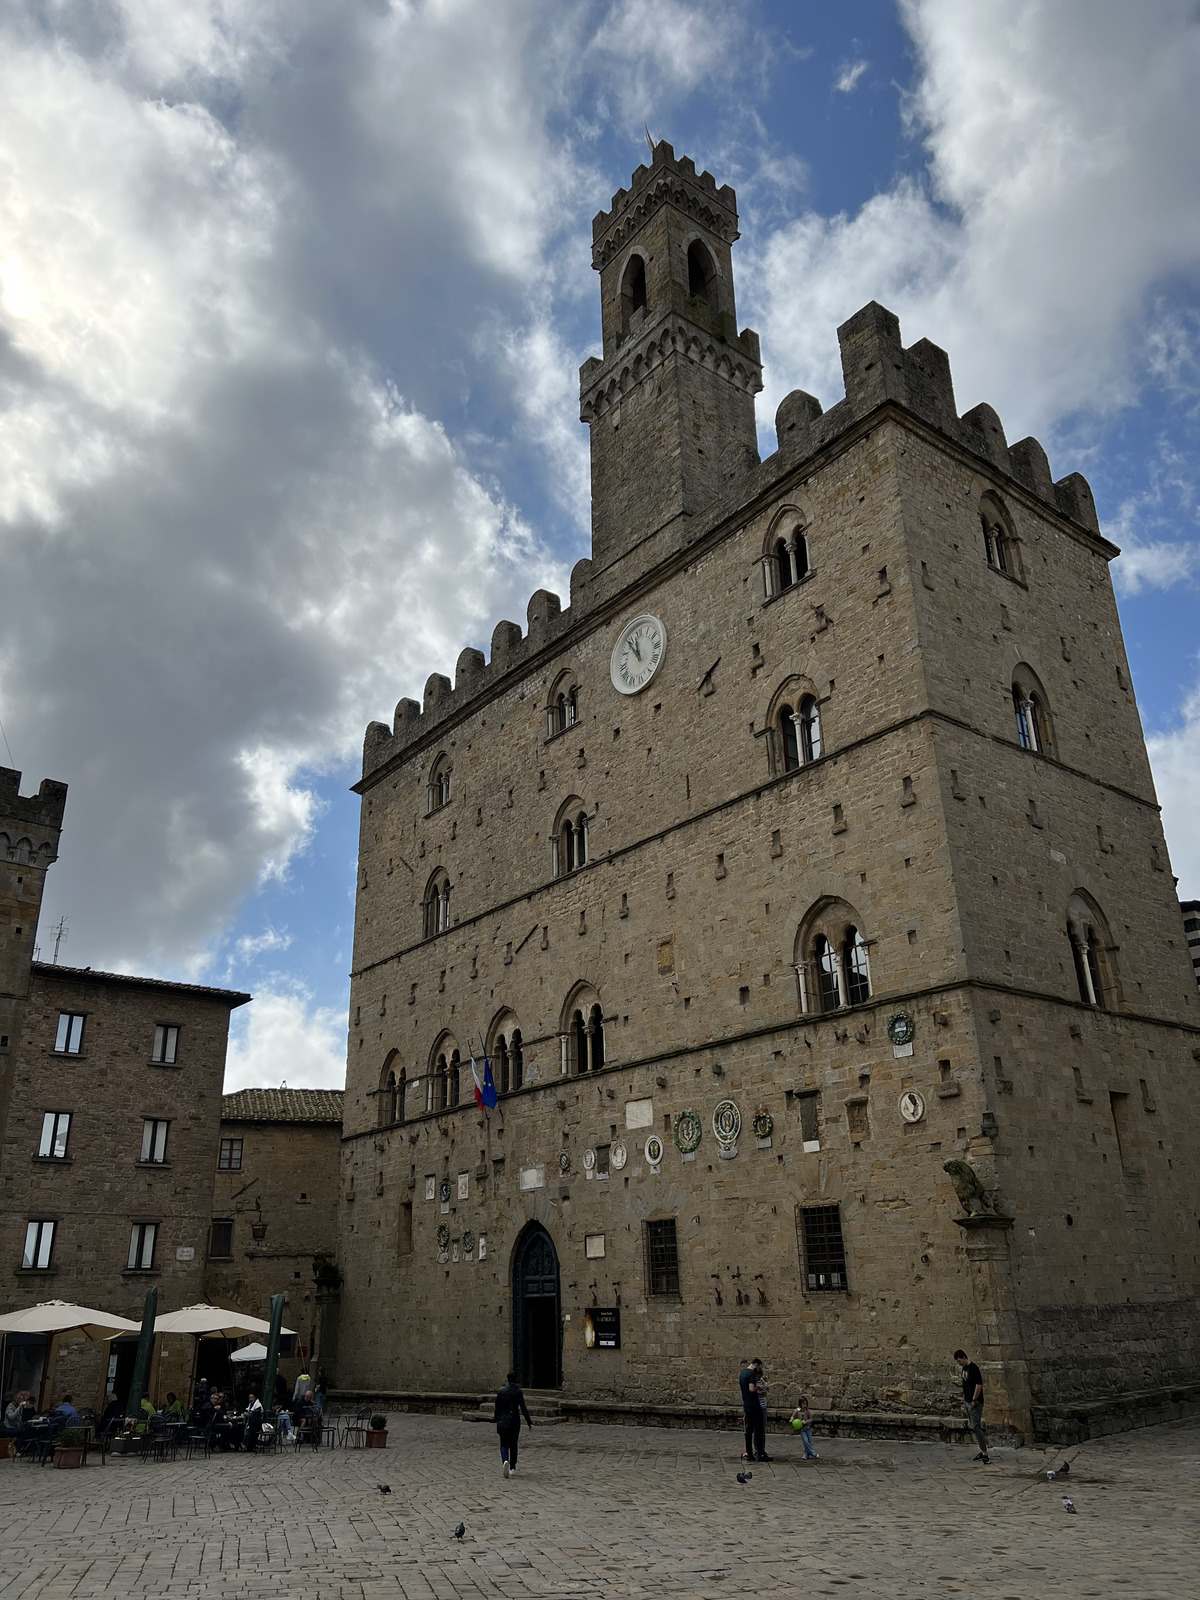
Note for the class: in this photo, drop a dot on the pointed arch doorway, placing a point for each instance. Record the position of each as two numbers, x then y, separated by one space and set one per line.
537 1306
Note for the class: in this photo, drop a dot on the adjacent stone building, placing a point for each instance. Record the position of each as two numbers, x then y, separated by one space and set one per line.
274 1215
805 884
106 1171
1191 928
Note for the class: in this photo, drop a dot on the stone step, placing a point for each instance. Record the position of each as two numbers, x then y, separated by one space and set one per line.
544 1406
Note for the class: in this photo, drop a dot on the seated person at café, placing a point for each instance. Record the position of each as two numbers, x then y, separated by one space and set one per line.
114 1411
66 1410
16 1414
172 1408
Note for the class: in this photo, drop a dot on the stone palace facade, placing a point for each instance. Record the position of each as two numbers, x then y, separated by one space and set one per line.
805 883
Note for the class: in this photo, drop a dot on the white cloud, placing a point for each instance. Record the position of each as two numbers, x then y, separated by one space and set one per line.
250 946
285 1039
1053 208
848 75
1175 759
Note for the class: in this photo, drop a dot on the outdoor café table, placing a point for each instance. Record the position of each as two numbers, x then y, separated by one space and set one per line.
229 1433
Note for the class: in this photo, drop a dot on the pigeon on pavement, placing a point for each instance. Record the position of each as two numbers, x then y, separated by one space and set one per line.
462 1528
744 1477
1068 1505
384 1488
1064 1469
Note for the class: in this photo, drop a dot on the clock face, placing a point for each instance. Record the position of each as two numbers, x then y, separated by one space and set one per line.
638 653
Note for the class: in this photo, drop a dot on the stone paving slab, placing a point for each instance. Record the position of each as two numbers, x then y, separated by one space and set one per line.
614 1512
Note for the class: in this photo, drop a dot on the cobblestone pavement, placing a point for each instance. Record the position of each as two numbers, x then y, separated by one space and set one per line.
610 1511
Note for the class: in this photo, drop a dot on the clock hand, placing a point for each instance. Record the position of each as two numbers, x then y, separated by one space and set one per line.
633 645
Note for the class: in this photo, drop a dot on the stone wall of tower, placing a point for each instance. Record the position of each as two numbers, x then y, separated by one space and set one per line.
30 826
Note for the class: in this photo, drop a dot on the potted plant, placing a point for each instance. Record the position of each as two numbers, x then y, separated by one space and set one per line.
377 1432
68 1452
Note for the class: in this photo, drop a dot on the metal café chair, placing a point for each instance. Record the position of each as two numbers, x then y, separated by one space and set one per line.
354 1434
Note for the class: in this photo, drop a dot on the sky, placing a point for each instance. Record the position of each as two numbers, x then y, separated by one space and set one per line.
293 296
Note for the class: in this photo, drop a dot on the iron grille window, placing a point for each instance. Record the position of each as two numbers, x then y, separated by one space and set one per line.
166 1045
663 1252
824 1252
39 1244
142 1238
154 1140
56 1127
230 1158
68 1041
221 1240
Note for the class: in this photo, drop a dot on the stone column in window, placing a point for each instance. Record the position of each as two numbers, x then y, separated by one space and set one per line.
562 1054
801 972
768 572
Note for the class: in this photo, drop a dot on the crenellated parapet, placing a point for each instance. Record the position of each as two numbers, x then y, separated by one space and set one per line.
877 368
546 621
30 824
667 181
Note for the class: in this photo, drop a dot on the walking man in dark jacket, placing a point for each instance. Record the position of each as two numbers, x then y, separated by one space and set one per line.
510 1408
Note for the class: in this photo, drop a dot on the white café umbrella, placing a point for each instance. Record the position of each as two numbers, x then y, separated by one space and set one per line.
251 1352
211 1322
59 1318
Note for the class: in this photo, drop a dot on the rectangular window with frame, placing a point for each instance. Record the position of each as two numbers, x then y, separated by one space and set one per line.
662 1256
823 1251
230 1158
166 1044
143 1238
220 1243
39 1245
56 1129
154 1140
68 1041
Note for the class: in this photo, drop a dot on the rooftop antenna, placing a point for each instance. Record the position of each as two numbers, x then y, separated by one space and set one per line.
60 932
649 140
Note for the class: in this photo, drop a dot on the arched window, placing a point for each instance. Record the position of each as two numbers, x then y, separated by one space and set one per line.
999 541
435 907
832 960
570 838
810 729
1031 712
1091 952
391 1094
702 273
583 1032
789 738
633 291
829 985
439 783
856 968
506 1054
785 554
562 705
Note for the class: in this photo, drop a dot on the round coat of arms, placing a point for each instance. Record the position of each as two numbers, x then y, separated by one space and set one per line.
617 1156
727 1122
654 1150
564 1162
912 1106
468 1242
443 1236
589 1160
764 1122
444 1191
901 1028
688 1131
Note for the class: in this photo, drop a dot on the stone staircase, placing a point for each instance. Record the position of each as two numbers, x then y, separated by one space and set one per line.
545 1408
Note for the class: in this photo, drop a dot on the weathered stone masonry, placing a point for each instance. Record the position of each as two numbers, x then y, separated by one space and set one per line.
966 862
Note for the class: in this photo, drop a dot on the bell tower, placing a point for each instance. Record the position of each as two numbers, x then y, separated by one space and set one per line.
670 404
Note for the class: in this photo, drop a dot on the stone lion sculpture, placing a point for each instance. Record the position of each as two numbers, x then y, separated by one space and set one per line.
971 1194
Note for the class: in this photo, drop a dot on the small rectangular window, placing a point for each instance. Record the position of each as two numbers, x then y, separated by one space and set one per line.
824 1253
69 1039
287 1344
404 1229
166 1044
221 1240
142 1239
154 1139
602 1155
56 1127
663 1256
230 1159
39 1244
